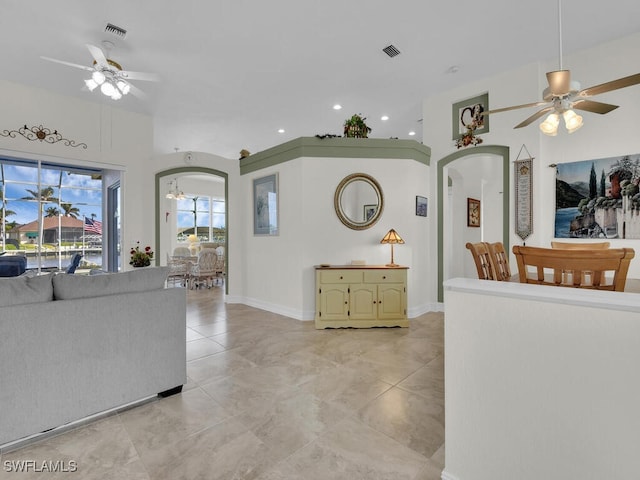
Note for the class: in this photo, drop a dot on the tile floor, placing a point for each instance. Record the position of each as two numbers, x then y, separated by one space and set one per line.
271 398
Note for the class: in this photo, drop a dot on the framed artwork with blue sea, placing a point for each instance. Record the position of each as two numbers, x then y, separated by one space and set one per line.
598 198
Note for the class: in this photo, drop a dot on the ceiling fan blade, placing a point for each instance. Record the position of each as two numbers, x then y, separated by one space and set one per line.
98 55
148 77
534 117
137 92
69 64
515 107
559 82
612 85
593 107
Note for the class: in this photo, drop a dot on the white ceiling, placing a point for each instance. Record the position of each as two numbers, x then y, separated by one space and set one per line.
235 71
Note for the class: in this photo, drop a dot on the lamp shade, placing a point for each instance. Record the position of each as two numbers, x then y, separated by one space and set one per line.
572 121
192 238
550 125
392 237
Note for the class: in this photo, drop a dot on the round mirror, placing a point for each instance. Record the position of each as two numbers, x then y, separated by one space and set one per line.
358 201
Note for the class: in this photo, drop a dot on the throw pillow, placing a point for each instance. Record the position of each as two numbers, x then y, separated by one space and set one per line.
25 289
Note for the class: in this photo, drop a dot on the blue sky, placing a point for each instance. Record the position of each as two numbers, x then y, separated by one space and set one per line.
78 189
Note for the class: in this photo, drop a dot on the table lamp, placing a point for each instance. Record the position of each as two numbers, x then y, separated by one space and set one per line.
391 238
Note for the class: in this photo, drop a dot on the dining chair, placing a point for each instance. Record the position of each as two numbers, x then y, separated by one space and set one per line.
483 260
600 269
580 246
500 261
204 270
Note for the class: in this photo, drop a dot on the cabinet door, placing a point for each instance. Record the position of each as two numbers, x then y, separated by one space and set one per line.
391 301
362 302
334 302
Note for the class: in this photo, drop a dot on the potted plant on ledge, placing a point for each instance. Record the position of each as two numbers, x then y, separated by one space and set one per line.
139 257
355 127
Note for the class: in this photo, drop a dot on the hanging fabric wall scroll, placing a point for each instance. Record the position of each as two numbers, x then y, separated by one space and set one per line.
524 187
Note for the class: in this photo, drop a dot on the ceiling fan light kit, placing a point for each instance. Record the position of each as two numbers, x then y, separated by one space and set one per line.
108 74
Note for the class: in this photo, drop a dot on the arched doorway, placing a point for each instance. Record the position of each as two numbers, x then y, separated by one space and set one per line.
489 150
165 176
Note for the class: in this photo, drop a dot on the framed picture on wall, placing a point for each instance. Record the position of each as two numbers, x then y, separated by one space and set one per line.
473 212
265 205
468 114
369 212
421 206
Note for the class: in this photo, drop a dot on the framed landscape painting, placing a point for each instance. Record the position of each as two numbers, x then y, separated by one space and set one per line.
598 198
265 205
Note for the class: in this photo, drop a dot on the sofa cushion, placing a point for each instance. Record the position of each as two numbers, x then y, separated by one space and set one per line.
69 287
25 289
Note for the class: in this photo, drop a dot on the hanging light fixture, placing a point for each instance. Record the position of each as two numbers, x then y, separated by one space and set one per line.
110 84
174 191
572 121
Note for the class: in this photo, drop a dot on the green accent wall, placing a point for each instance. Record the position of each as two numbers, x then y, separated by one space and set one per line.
499 150
195 170
336 147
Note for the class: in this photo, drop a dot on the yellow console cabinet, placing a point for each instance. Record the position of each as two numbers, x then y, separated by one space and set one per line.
361 296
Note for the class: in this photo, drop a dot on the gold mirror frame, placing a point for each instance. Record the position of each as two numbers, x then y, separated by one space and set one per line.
337 201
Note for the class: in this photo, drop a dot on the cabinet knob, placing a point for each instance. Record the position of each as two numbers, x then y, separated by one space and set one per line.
374 302
341 277
384 277
345 302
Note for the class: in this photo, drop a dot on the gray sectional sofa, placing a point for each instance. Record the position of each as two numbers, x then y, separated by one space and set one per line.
72 346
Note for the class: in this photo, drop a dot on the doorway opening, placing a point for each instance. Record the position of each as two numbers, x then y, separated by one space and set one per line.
458 179
199 216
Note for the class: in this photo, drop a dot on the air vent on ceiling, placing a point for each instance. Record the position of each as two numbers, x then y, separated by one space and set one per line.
115 30
391 51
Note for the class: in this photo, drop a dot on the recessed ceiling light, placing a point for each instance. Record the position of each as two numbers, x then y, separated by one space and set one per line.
412 133
337 106
281 130
384 118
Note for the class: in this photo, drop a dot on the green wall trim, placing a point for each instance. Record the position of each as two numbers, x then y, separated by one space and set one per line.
336 147
189 170
499 150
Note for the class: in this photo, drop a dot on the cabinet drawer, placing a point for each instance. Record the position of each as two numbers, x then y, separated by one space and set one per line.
384 276
340 276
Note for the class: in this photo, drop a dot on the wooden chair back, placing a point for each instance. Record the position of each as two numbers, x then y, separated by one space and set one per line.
601 269
580 246
483 260
500 261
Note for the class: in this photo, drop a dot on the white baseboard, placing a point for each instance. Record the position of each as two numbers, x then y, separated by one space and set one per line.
310 315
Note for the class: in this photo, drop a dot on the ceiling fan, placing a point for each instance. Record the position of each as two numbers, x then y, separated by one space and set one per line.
108 74
564 95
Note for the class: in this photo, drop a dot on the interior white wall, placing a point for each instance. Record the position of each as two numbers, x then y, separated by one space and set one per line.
540 382
279 273
601 136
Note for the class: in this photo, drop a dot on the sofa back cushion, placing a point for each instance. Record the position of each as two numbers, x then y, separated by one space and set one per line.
69 287
25 289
